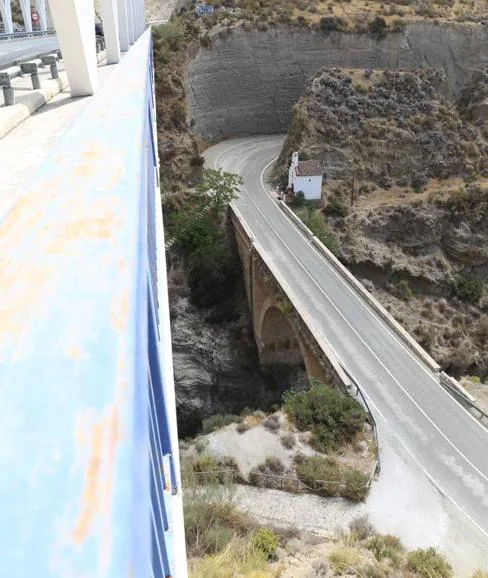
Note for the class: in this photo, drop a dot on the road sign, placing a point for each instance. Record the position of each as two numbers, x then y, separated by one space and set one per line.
35 17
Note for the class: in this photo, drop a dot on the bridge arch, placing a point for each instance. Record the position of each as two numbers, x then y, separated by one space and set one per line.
279 343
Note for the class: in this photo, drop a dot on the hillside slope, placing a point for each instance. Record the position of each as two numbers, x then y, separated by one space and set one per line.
414 169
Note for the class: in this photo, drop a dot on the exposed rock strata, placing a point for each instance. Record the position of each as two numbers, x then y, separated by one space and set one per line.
247 82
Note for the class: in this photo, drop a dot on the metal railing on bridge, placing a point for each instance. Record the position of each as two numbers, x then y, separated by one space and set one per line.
20 35
93 483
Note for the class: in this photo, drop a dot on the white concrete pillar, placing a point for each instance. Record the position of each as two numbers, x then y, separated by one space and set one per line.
41 10
6 12
135 3
123 26
74 21
137 32
141 16
130 20
49 18
110 21
25 6
137 19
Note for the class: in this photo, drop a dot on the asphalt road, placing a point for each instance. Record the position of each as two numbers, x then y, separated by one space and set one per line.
441 440
25 48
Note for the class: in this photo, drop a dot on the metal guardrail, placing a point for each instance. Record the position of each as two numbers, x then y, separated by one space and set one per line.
448 383
15 35
372 422
29 67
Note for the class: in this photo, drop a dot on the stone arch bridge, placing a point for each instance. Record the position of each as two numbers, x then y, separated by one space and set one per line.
282 335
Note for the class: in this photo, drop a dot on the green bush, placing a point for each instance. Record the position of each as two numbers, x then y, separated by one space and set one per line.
192 233
315 221
266 541
335 207
326 477
288 441
313 469
299 200
402 290
429 563
197 229
378 26
332 23
212 275
333 417
354 488
215 422
385 546
210 470
469 288
205 464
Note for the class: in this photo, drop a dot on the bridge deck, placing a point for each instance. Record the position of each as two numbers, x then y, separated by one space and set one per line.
26 147
73 291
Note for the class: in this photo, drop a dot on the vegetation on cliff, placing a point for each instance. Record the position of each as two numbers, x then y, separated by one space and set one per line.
350 15
179 152
406 196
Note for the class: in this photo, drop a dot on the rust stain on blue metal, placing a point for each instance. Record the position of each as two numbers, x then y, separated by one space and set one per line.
91 493
96 500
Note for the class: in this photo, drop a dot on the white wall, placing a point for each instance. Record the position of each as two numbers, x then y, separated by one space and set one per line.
310 186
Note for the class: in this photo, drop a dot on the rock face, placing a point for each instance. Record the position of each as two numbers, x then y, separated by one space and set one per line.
389 127
215 366
247 82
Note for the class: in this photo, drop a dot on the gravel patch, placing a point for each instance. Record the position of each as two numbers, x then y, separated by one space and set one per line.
304 512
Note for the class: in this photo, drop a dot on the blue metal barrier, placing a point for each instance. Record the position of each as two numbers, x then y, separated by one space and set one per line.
88 444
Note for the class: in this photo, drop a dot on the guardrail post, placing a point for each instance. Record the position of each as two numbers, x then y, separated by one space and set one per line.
8 90
51 60
8 95
31 68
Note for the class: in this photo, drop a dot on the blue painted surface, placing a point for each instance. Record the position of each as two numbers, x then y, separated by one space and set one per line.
83 429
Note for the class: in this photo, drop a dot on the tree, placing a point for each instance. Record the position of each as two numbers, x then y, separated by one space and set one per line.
217 189
197 223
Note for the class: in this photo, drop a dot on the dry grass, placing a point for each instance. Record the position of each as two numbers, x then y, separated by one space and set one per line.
345 559
239 558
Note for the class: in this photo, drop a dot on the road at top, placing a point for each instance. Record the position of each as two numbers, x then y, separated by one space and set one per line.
434 451
12 51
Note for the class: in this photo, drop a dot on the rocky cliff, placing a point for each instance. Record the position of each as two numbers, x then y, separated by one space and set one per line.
215 364
408 202
247 81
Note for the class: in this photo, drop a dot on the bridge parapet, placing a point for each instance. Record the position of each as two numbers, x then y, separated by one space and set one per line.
88 406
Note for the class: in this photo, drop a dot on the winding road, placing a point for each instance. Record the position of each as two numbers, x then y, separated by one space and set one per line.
419 422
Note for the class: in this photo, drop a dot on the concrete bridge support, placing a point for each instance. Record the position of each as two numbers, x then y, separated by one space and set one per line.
42 11
6 12
110 19
25 7
74 21
122 13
